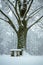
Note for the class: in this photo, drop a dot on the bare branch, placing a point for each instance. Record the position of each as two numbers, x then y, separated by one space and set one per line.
10 22
4 14
29 6
28 2
15 7
34 12
28 9
3 19
34 23
12 11
11 3
41 26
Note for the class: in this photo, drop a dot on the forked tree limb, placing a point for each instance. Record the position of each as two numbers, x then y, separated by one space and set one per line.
3 19
34 23
41 26
31 1
13 12
9 21
34 12
15 7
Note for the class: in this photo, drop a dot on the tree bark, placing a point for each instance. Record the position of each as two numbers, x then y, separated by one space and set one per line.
22 34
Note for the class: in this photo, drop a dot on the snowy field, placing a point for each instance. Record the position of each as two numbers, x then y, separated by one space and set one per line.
26 59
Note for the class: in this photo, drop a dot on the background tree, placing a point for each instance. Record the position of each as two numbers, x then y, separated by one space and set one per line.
20 9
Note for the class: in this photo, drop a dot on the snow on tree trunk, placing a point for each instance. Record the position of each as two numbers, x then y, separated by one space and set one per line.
21 38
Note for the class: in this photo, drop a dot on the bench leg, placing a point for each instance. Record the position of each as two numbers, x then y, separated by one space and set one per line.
12 53
20 52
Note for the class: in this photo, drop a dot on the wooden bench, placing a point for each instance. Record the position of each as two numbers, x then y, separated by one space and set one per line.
16 52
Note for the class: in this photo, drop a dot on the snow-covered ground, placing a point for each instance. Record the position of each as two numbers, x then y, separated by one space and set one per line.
26 59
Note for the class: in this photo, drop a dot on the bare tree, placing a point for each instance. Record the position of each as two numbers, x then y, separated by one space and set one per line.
20 11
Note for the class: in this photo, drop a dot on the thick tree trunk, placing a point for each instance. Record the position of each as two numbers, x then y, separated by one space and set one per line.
22 38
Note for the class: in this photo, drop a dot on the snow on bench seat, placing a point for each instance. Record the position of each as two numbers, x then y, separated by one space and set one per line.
16 52
15 49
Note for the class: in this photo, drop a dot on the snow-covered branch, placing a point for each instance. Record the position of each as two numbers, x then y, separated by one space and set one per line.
12 12
3 19
31 1
15 7
34 12
34 23
9 20
41 26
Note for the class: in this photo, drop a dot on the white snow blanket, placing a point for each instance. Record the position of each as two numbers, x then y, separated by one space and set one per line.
26 59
